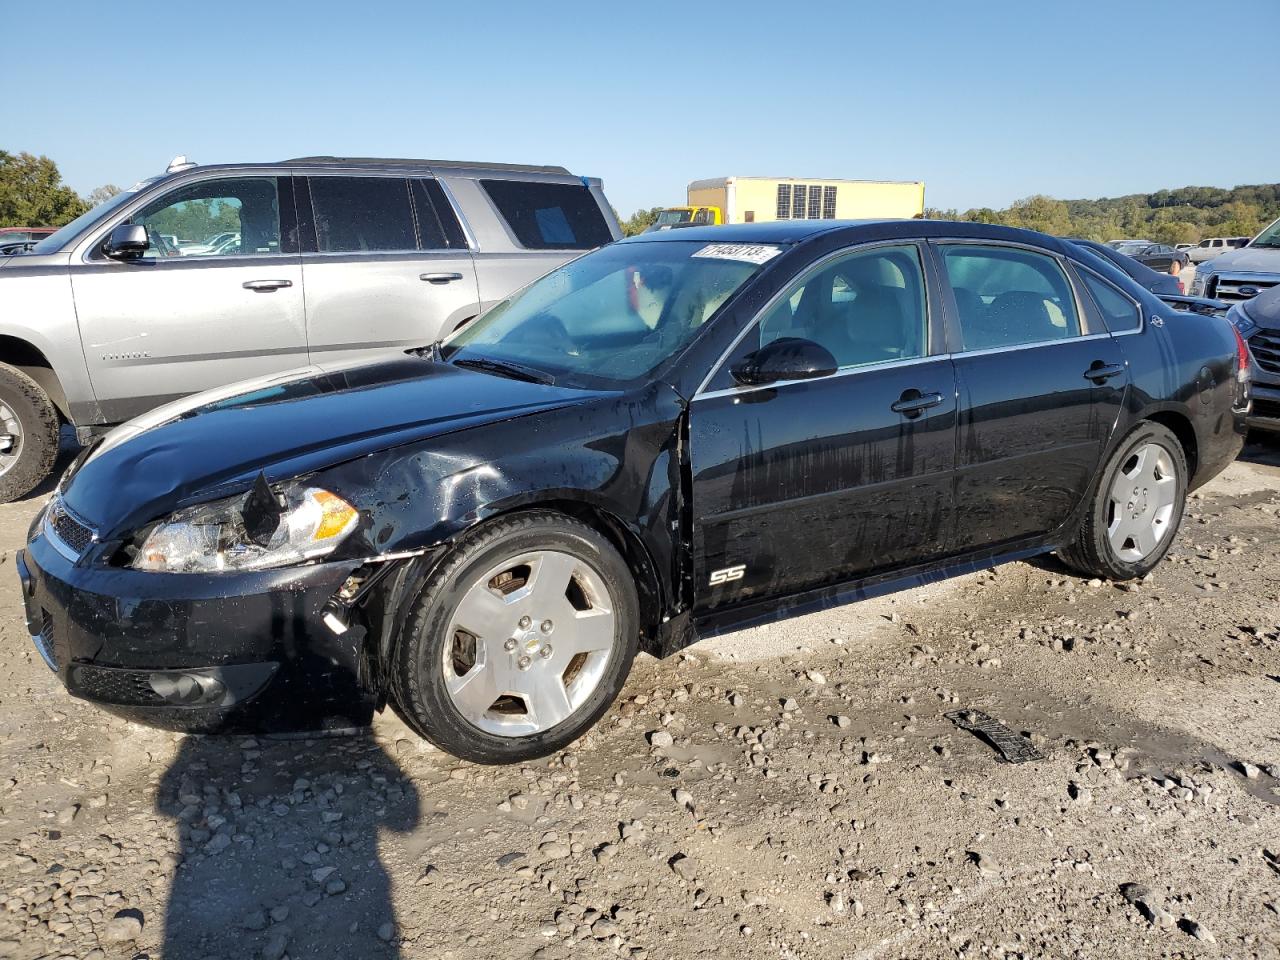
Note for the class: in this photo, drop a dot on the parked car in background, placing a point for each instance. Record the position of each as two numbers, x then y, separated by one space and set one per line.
1258 321
1243 273
1153 280
1184 247
1158 256
679 435
1212 247
14 239
321 260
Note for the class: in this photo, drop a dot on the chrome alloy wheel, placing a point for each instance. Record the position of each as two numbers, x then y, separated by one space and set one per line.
10 438
528 643
1142 500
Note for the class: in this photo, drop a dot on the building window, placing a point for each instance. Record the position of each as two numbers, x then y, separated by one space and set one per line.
828 203
815 203
799 198
749 216
784 201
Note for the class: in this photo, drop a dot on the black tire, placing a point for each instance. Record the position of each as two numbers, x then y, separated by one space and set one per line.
416 664
1090 551
38 446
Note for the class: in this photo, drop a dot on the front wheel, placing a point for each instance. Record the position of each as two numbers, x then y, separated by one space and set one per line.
519 642
1136 509
28 434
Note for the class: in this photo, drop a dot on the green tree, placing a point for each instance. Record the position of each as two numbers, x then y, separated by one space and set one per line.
32 193
640 221
102 194
1040 213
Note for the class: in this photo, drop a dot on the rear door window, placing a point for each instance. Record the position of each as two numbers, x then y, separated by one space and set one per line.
1009 297
362 214
549 216
1119 312
438 226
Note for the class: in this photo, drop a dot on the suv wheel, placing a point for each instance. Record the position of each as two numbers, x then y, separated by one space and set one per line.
519 642
1136 509
28 434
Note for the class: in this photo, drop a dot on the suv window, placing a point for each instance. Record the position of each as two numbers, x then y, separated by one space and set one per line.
362 214
1119 312
868 307
214 218
1008 297
549 216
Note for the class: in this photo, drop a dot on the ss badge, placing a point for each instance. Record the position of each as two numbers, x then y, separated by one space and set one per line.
727 574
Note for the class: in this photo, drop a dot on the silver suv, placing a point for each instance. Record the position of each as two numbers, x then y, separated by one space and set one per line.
214 274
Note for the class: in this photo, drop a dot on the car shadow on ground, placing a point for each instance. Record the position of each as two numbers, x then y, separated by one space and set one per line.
1263 448
279 847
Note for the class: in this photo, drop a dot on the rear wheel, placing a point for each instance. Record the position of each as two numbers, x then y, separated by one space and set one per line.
28 434
1136 508
519 642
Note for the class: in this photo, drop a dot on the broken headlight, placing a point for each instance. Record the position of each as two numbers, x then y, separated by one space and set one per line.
261 529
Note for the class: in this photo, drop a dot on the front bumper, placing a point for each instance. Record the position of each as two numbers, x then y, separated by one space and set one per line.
245 652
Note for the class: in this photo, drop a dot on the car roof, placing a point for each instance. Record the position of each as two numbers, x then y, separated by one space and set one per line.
852 231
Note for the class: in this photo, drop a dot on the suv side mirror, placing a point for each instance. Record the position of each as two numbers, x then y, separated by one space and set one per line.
128 241
787 358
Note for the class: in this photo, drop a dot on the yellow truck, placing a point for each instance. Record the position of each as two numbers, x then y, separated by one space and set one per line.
757 199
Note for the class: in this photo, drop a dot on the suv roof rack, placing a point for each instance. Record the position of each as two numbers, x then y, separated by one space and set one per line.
440 164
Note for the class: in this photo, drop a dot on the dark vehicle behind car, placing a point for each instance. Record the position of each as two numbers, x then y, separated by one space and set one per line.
675 436
1158 256
1258 321
1153 280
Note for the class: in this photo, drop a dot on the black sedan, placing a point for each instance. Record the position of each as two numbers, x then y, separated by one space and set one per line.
1158 256
675 436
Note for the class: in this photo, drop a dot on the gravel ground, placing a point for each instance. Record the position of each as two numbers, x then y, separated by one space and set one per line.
786 792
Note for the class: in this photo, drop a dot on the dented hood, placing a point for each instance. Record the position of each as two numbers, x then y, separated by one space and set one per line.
215 443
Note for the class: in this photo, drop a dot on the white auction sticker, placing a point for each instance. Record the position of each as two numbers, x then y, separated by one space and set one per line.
756 253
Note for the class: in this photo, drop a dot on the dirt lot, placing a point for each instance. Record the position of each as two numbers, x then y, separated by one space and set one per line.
787 792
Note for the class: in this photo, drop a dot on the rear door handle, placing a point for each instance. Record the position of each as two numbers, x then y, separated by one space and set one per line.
912 403
266 286
439 277
1101 372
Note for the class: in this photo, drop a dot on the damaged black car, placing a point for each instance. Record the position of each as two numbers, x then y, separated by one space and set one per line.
678 435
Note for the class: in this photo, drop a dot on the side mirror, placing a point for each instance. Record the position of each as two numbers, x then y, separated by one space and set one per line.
787 358
128 241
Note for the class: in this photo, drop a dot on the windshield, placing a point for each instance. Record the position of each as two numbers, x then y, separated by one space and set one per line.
65 234
674 216
1269 237
614 315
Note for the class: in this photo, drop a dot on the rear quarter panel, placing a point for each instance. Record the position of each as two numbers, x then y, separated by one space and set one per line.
1185 364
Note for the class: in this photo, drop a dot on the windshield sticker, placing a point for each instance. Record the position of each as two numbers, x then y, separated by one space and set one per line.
756 253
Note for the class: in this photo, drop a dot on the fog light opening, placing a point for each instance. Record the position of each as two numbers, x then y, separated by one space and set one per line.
187 689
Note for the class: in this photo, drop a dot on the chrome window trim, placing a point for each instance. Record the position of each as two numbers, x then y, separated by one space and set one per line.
809 270
1142 314
743 389
1010 348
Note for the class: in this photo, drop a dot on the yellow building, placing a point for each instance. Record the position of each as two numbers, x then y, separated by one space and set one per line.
757 199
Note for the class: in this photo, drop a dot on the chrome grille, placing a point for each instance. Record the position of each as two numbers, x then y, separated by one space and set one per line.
1232 289
44 641
1265 346
68 529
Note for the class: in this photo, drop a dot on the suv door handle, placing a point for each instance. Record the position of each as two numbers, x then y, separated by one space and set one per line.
1100 372
266 286
438 278
912 403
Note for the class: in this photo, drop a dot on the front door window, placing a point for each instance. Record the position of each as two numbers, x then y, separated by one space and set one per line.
214 218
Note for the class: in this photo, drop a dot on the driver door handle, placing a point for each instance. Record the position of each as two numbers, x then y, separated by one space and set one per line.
266 286
1101 372
912 403
439 277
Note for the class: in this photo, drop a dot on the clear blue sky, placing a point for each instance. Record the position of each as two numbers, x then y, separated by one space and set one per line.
986 102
